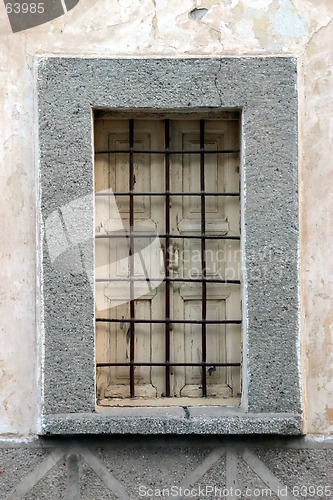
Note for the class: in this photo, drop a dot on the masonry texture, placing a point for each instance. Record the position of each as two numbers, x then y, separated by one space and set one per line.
92 467
199 467
265 90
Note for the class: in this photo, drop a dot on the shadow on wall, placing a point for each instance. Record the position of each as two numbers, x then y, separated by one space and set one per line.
30 13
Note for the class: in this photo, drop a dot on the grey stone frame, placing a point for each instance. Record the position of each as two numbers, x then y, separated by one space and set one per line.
265 90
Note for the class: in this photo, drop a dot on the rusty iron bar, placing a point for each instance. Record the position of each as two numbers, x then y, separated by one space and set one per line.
174 321
167 255
172 280
169 152
149 193
166 364
131 254
173 236
203 259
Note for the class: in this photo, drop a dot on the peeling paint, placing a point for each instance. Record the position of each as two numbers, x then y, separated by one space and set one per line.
197 14
287 22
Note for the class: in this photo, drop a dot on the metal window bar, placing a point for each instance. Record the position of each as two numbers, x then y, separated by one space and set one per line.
173 236
203 259
168 151
174 321
167 256
168 321
166 364
172 280
170 194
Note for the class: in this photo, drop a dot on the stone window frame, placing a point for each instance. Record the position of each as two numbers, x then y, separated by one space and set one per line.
264 89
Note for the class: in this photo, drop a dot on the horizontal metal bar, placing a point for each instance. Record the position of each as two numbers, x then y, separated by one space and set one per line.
166 193
167 151
176 321
173 236
172 280
166 363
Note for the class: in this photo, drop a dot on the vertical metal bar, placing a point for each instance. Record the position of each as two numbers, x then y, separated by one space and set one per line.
131 253
167 257
203 257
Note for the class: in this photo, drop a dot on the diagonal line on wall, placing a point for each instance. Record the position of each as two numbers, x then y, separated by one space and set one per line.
29 481
204 467
72 482
231 472
104 474
264 473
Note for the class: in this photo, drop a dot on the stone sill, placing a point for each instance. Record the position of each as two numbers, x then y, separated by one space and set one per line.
174 420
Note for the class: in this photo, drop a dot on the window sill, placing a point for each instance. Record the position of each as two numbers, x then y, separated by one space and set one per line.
176 420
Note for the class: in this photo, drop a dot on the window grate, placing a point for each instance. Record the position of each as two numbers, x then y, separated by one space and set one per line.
131 235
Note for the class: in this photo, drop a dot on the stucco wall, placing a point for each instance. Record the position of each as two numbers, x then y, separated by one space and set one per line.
154 28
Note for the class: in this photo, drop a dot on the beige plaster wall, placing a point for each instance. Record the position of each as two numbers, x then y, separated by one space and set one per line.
143 28
316 228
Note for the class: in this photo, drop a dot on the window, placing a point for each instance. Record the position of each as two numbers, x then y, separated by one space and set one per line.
172 184
71 91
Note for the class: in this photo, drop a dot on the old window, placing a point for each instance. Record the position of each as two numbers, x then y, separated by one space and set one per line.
167 256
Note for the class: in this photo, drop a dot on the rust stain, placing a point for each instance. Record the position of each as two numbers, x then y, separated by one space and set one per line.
329 413
326 324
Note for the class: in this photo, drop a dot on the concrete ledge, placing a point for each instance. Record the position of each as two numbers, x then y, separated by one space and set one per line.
120 442
177 420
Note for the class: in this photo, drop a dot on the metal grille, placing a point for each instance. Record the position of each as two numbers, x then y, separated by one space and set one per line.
168 238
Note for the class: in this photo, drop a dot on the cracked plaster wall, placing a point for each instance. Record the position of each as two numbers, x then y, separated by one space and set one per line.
153 28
